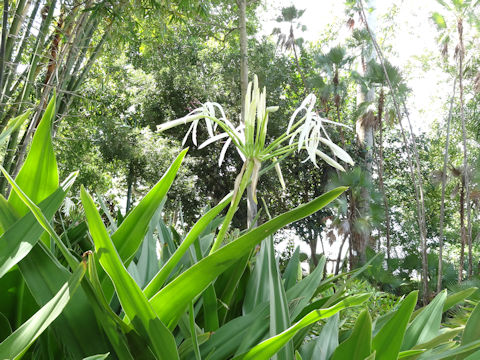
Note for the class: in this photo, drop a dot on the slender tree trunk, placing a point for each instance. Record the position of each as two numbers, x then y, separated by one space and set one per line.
242 25
339 257
130 180
462 229
442 204
416 178
313 249
364 132
468 235
380 171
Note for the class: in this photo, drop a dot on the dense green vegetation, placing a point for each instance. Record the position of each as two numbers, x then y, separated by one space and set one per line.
178 184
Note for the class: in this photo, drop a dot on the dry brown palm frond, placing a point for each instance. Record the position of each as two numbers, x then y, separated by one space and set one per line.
475 194
457 52
350 23
331 237
456 171
454 192
436 176
369 119
444 50
476 83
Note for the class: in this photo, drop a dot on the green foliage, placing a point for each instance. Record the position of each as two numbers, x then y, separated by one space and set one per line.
147 318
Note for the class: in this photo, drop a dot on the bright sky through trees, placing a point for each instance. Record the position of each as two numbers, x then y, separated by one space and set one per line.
410 43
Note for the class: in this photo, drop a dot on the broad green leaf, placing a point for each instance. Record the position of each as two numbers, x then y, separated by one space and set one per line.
451 301
76 327
389 339
38 177
130 234
292 270
8 215
451 353
243 332
17 343
108 319
13 125
472 330
426 325
445 335
257 291
131 297
20 238
159 279
271 346
474 356
42 220
147 264
359 345
210 309
457 297
171 301
323 346
279 314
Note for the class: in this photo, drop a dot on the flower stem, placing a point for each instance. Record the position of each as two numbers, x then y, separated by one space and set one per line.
240 187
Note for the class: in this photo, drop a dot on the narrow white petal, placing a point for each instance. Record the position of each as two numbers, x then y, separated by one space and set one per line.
188 133
330 161
213 139
224 151
338 151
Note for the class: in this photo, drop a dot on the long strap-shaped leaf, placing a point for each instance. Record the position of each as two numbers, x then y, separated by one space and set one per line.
472 330
279 315
20 238
390 337
42 220
241 333
171 302
18 342
129 236
159 279
270 347
131 297
359 345
13 125
38 177
426 325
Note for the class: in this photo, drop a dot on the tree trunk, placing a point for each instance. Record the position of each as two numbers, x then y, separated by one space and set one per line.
442 204
462 230
467 230
242 26
339 257
129 188
415 173
380 172
364 131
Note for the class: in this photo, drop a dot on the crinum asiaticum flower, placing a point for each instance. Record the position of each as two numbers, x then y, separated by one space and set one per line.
305 131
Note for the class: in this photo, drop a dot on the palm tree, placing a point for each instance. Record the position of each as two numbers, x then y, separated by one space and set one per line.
461 11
